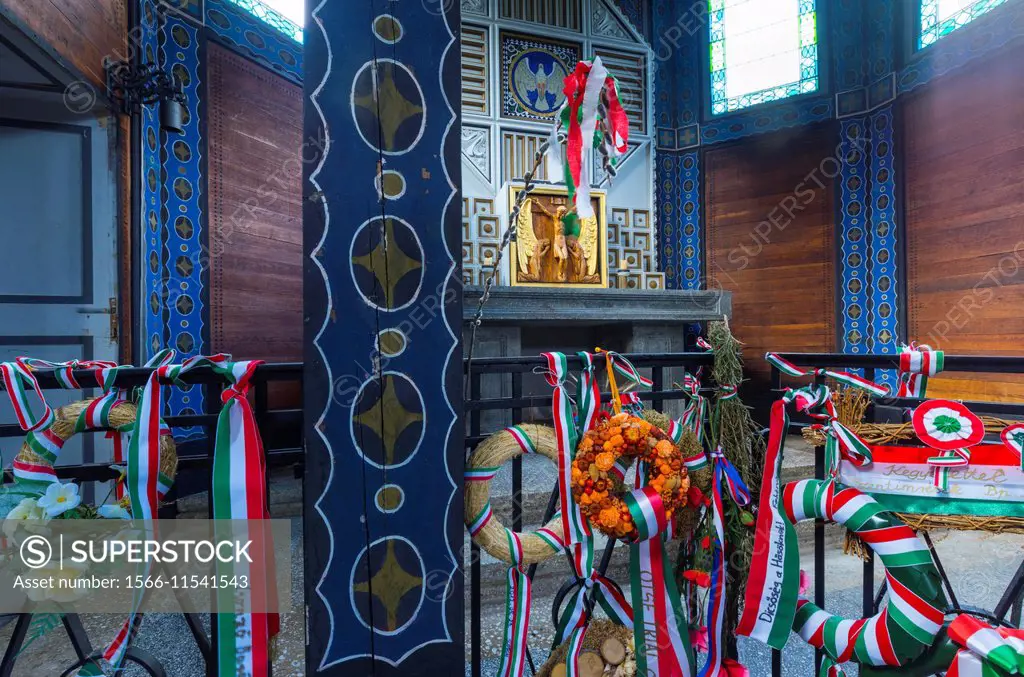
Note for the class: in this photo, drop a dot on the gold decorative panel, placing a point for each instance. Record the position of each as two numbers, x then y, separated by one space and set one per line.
551 252
629 69
474 69
560 13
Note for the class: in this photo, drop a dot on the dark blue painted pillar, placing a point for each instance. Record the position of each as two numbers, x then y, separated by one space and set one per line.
383 395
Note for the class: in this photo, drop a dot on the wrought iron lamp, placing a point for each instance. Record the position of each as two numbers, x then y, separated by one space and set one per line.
136 86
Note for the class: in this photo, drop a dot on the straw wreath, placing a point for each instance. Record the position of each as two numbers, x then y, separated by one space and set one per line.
494 452
121 414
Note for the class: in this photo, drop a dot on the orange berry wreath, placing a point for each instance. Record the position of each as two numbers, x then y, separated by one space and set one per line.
597 477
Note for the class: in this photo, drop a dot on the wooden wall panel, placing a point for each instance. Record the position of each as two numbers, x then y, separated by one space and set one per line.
771 243
82 32
965 220
255 176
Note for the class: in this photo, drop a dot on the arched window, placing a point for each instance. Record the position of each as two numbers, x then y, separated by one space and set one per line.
286 16
761 50
942 17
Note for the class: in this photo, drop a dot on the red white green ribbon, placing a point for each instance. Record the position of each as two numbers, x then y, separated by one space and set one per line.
574 526
659 618
987 651
19 380
790 369
1013 439
626 370
239 493
584 89
907 625
841 443
522 439
697 407
774 578
519 601
917 363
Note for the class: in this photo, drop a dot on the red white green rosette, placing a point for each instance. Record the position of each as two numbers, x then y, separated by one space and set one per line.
946 425
1013 439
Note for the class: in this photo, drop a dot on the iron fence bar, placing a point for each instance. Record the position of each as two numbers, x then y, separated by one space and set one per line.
639 360
502 403
970 363
138 376
868 567
14 644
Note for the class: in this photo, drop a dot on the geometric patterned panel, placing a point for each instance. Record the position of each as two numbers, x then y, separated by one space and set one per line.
518 150
474 69
154 325
631 72
556 13
480 240
632 258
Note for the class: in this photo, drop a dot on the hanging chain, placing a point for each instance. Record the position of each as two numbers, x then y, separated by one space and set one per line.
510 234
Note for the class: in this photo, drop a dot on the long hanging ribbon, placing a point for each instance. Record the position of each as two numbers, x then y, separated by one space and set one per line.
574 526
518 602
790 369
588 123
239 493
726 475
774 579
917 363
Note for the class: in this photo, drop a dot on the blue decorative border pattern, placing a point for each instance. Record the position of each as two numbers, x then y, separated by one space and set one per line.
808 82
679 217
884 254
184 221
771 118
154 326
853 237
255 39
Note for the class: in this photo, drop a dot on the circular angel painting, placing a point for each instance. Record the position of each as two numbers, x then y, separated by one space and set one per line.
536 80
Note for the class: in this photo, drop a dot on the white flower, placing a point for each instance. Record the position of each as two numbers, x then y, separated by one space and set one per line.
59 498
27 509
947 425
112 511
56 590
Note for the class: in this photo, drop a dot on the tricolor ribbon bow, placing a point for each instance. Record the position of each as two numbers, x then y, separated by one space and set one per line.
1013 439
841 443
987 651
696 411
846 378
917 363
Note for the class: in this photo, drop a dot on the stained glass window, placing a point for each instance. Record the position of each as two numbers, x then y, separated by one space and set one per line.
761 50
942 17
286 16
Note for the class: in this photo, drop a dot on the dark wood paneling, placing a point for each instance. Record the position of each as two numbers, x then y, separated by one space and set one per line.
82 32
771 243
255 175
965 220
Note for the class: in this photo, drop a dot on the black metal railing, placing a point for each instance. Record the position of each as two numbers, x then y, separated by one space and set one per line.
281 431
886 409
510 371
